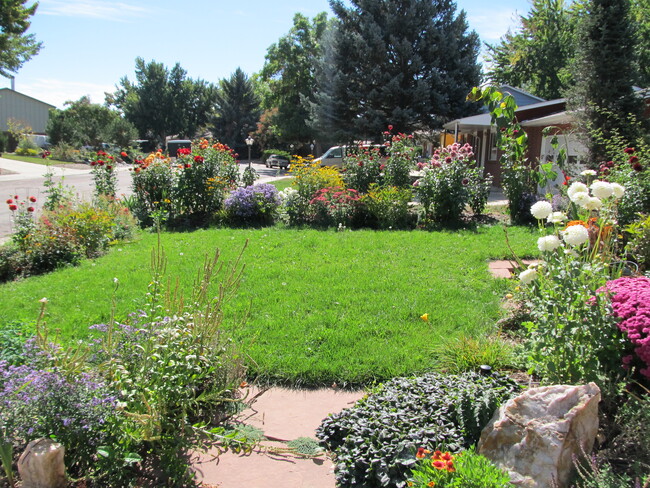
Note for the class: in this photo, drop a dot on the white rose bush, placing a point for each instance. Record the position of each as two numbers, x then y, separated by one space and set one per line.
572 335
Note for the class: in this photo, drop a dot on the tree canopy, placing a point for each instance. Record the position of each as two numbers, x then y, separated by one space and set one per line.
237 110
164 102
407 63
16 47
84 123
289 71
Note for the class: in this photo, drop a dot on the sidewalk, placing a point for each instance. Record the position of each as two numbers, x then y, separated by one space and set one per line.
19 170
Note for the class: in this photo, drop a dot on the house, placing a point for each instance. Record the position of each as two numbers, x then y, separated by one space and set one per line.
534 114
29 111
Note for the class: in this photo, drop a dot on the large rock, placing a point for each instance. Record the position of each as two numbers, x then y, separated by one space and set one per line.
41 465
536 435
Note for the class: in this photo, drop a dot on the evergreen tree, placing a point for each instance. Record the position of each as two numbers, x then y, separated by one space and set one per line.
605 71
537 57
237 110
289 71
16 47
406 63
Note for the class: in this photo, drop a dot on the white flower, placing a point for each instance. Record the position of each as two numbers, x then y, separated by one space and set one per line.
618 190
541 210
43 300
580 198
576 235
588 172
548 243
528 276
601 189
556 218
576 187
594 203
115 280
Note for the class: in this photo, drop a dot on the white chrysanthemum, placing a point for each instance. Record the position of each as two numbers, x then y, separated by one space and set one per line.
528 276
601 189
541 210
287 193
576 187
580 198
618 190
556 218
576 235
548 243
588 172
594 203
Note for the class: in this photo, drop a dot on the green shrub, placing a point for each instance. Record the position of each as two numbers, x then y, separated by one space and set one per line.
26 147
266 154
375 441
402 157
638 246
362 168
4 142
12 341
466 469
389 206
66 152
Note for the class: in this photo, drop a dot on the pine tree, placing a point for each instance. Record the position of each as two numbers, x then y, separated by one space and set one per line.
16 47
605 71
406 63
237 110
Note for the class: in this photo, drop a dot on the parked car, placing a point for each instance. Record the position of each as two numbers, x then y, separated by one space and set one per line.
277 160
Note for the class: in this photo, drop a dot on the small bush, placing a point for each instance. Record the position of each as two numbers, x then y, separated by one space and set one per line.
389 206
257 204
375 441
65 152
402 157
362 168
26 147
335 206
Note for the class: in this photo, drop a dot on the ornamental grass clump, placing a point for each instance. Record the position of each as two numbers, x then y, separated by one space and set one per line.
256 205
375 441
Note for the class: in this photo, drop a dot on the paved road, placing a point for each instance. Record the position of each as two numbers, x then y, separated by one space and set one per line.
26 179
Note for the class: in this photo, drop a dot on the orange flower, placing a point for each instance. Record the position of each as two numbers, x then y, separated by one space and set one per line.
576 222
450 466
431 483
439 464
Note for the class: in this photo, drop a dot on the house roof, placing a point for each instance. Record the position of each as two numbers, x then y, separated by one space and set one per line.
4 91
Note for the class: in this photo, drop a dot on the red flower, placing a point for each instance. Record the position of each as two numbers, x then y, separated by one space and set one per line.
137 170
13 207
360 164
188 165
637 167
30 209
10 201
420 453
93 163
628 150
390 127
633 159
32 199
124 155
199 159
111 158
16 197
109 167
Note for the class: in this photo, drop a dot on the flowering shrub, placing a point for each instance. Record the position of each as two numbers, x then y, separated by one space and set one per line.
153 184
362 168
389 206
308 179
631 304
335 206
463 470
22 217
371 438
444 189
43 402
572 336
402 156
257 204
103 170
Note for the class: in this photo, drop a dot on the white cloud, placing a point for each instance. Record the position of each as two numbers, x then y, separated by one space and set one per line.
57 92
96 9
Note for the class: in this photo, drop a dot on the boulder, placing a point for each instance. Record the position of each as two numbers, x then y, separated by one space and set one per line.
41 465
536 435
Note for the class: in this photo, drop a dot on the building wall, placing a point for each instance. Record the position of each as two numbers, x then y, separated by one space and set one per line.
26 109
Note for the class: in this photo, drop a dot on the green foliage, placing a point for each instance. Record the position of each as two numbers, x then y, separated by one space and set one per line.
362 167
375 440
83 123
538 55
305 446
267 153
638 246
468 470
162 102
237 110
409 66
604 73
389 206
65 152
402 156
104 175
13 335
16 47
4 142
26 147
289 72
468 353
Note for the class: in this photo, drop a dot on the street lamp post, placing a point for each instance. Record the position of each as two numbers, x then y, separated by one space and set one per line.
249 143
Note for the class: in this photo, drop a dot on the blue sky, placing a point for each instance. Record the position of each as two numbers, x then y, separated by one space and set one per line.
89 45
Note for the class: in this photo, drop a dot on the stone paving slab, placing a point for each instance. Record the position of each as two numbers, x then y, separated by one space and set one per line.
506 268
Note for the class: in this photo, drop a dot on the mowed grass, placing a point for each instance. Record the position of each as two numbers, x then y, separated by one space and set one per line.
323 306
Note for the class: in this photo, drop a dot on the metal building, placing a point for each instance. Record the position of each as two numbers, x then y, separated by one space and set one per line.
26 109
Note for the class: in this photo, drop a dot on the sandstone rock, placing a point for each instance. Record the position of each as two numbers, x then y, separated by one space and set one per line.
41 465
535 435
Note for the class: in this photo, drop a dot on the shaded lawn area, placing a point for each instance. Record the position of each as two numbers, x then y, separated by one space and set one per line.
323 306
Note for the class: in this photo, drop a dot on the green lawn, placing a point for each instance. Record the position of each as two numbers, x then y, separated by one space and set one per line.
325 307
31 159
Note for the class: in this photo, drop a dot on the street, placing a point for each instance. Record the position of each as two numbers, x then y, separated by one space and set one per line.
26 179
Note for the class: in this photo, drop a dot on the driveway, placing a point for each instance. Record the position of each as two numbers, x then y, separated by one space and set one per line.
26 179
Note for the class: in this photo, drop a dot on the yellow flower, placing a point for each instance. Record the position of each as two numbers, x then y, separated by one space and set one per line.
425 317
509 296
